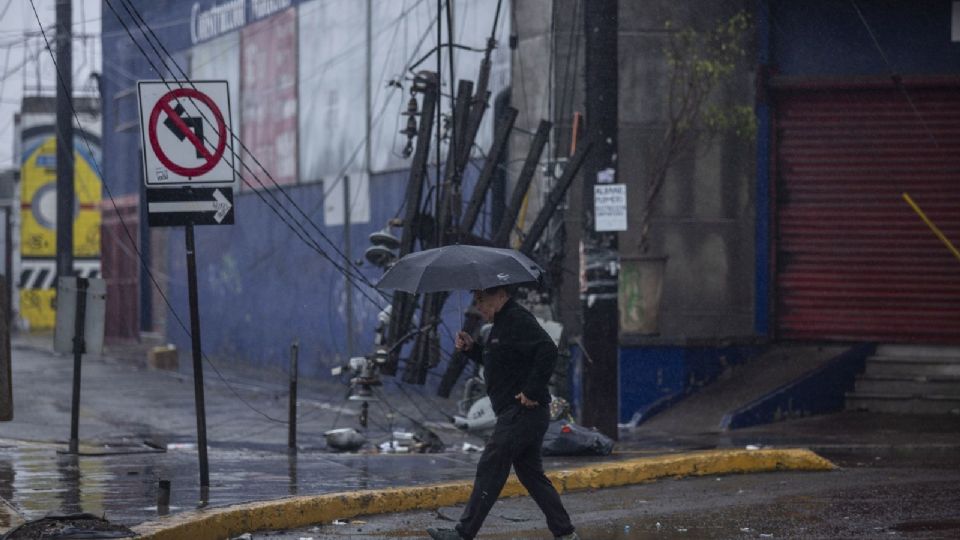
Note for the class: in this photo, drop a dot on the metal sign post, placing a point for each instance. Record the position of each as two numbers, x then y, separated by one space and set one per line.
81 304
79 347
197 360
189 174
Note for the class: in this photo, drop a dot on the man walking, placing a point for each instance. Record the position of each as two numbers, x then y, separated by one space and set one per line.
518 358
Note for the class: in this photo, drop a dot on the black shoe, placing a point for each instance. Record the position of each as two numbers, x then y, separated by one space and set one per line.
443 534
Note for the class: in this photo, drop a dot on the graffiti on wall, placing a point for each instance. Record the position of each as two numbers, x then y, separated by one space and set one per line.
38 230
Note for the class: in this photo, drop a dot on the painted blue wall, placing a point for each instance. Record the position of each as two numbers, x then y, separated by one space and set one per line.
829 38
261 287
820 392
652 378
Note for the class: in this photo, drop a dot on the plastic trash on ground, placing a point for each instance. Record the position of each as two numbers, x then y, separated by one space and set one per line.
568 439
344 439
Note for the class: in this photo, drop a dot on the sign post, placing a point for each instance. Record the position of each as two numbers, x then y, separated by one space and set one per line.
197 358
81 306
189 174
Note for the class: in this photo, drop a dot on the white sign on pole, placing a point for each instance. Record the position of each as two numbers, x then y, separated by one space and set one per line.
94 314
610 207
186 133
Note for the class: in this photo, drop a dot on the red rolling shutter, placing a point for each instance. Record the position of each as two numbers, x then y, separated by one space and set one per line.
853 260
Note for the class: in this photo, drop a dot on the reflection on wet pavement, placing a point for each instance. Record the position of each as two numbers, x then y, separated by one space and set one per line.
37 481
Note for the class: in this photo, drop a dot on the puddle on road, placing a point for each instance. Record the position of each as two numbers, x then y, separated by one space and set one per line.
37 481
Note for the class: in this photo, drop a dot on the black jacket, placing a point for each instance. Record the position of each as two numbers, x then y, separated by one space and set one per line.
518 356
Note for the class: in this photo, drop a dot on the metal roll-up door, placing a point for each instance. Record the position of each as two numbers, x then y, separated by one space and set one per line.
853 261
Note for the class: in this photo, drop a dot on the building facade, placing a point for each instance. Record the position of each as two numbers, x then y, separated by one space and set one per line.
316 92
795 229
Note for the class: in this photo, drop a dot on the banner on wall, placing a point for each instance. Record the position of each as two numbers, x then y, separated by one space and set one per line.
38 229
268 114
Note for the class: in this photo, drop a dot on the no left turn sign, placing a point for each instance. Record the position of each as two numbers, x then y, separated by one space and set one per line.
185 129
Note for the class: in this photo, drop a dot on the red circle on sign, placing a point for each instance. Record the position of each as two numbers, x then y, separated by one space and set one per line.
163 106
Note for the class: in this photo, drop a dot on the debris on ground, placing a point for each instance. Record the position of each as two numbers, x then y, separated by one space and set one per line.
67 527
344 439
565 438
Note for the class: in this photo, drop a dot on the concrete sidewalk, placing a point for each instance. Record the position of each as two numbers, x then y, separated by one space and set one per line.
128 413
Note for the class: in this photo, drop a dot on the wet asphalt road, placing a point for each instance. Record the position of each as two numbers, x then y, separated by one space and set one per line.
871 496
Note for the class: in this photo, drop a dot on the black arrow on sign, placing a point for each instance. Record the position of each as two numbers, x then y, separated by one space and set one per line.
193 122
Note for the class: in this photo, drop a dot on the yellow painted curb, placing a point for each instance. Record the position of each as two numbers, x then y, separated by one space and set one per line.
294 512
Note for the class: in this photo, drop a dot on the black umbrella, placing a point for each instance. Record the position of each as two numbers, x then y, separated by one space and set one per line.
458 267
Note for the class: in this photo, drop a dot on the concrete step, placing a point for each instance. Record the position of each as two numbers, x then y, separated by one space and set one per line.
903 403
911 367
919 351
914 386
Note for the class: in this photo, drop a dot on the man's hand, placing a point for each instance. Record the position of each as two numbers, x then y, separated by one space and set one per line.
525 401
463 342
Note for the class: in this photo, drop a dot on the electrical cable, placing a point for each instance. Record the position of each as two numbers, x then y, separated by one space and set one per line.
894 76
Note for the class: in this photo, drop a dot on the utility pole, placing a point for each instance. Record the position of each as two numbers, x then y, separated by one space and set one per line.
65 195
599 259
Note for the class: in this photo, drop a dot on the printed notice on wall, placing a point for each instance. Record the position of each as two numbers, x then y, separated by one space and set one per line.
955 23
610 207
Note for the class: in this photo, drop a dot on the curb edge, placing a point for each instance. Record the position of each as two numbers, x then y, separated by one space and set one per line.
294 512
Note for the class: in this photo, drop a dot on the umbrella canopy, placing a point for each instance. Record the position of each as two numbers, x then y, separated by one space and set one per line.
457 267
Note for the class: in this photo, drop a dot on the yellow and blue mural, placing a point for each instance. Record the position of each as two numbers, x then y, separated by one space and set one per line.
38 211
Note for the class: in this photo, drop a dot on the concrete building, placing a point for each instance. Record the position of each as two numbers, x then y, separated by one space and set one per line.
793 228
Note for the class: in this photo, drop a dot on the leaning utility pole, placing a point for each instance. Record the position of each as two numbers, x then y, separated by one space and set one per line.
65 196
598 264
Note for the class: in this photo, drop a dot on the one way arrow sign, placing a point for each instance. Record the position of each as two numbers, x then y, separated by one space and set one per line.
174 207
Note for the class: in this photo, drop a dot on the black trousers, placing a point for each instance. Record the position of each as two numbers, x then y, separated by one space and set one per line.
516 442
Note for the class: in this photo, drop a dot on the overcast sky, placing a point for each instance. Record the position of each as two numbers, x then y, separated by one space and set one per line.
25 65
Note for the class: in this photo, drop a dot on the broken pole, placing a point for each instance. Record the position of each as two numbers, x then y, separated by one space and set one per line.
500 139
403 304
555 197
502 237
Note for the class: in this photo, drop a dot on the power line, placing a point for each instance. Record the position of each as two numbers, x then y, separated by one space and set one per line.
894 76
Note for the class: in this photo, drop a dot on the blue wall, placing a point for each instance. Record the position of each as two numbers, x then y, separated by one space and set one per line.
820 392
829 38
261 287
653 378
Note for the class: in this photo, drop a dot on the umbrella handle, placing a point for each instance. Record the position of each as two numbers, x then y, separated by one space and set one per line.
460 304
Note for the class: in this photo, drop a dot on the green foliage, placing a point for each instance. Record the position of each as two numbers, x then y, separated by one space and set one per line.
700 63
